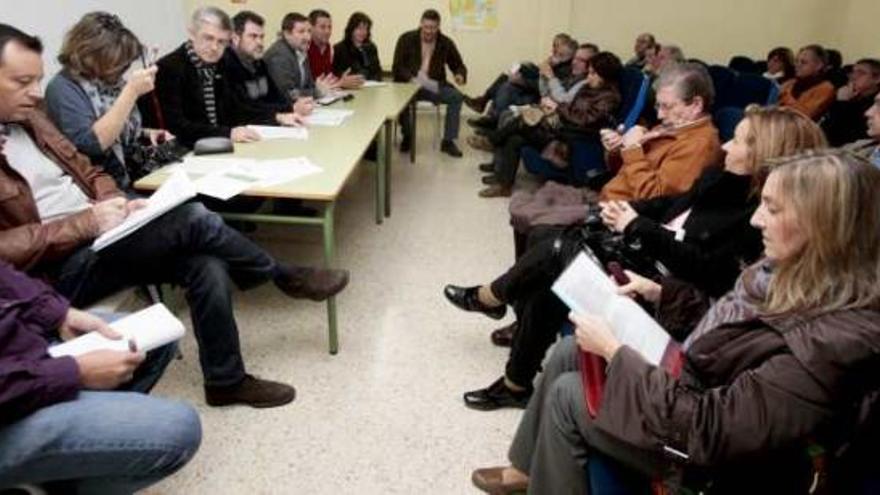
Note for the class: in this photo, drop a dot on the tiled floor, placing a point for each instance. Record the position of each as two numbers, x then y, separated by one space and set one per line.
385 415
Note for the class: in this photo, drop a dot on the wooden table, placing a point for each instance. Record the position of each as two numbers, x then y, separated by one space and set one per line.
337 150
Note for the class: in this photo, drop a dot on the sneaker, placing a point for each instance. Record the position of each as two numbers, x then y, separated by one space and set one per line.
489 180
251 391
451 149
487 167
484 122
316 284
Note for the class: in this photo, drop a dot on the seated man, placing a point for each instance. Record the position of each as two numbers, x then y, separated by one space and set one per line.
247 73
667 159
321 52
515 88
194 96
288 61
869 148
80 424
643 42
662 57
421 56
809 92
845 120
54 204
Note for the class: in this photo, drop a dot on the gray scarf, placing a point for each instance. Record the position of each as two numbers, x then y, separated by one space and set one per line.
743 303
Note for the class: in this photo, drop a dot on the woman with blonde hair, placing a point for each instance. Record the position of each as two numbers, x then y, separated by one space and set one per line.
789 358
92 102
702 238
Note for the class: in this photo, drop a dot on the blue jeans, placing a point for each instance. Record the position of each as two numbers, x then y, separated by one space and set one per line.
449 96
103 442
188 246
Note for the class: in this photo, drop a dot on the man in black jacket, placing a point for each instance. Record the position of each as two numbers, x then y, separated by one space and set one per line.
421 56
195 100
247 73
845 120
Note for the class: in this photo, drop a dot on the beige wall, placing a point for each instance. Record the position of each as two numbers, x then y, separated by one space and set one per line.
712 30
858 36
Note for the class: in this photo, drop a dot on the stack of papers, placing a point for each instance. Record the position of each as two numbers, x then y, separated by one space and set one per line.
332 97
276 132
148 329
328 117
174 191
224 178
586 289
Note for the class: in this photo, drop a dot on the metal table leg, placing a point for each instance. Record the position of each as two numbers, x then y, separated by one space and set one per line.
383 153
387 158
329 248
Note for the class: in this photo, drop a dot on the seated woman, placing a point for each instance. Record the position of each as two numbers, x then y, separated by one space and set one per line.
356 53
701 237
788 357
593 107
780 65
89 100
809 92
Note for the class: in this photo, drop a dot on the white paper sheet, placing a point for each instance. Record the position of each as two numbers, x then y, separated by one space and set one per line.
278 132
585 288
374 84
176 189
328 117
232 180
149 328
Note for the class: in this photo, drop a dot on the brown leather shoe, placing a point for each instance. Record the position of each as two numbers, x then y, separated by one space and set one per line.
251 391
316 284
481 143
489 480
503 337
496 191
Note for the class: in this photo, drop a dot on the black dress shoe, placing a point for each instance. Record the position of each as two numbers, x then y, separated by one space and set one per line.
484 122
487 167
489 180
503 337
497 396
466 298
451 149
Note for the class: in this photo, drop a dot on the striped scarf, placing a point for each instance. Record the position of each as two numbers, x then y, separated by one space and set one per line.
207 74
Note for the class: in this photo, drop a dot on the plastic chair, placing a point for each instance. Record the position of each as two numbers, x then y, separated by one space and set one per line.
743 65
726 119
748 89
723 79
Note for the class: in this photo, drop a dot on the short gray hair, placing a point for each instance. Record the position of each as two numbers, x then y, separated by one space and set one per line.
209 14
675 53
690 80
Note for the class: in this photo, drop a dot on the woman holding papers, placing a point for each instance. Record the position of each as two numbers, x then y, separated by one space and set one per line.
702 237
91 102
786 359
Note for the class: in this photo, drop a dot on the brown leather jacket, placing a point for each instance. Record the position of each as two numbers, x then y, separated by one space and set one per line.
24 240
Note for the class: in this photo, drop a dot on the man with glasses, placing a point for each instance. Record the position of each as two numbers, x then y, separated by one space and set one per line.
667 159
195 99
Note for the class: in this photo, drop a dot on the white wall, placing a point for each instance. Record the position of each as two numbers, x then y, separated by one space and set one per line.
155 22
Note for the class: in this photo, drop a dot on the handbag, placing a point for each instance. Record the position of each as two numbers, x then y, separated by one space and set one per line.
143 158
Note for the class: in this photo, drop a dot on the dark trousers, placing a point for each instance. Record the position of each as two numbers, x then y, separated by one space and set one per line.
449 96
188 246
540 314
509 139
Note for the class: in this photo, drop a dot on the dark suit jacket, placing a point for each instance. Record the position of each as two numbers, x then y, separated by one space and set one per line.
363 61
253 86
408 58
283 64
182 102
